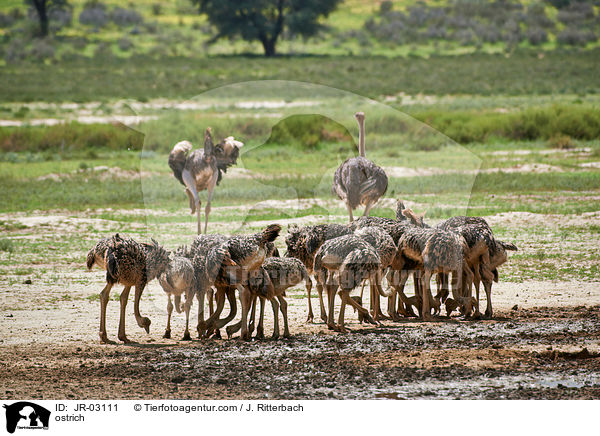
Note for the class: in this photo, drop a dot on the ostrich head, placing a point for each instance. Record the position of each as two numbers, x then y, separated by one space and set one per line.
360 116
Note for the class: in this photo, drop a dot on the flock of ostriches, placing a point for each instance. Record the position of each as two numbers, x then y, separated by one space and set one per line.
461 252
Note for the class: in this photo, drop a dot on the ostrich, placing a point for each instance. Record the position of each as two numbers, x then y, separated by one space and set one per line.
202 169
358 180
132 264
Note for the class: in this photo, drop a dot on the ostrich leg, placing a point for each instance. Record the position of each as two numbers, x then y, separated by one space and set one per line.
103 302
350 216
368 208
211 190
425 291
123 300
192 193
167 334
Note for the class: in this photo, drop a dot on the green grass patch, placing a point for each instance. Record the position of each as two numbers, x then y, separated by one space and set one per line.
143 78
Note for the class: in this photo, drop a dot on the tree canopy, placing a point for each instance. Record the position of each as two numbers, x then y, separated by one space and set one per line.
265 20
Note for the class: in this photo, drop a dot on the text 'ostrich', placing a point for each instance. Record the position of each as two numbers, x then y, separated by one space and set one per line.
202 169
358 180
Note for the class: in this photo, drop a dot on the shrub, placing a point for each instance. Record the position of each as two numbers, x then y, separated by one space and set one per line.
536 35
563 142
59 18
125 44
42 49
7 245
94 15
5 21
307 131
125 17
575 36
156 9
70 137
15 51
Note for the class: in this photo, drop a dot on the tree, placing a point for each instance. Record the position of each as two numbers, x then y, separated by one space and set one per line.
42 8
265 20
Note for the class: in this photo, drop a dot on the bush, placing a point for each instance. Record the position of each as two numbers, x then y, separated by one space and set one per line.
307 131
15 51
536 35
94 15
126 17
42 49
70 137
125 44
6 21
563 142
575 36
60 18
156 9
7 245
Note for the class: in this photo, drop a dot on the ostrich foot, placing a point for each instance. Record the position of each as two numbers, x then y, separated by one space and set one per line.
427 317
394 316
216 335
275 336
126 340
488 314
104 339
186 336
260 333
342 329
167 334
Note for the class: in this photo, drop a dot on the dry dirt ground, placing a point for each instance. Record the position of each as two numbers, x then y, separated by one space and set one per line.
543 343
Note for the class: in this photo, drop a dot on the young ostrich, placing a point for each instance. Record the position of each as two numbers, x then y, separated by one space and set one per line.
345 262
202 169
303 243
270 282
358 180
482 248
237 257
435 251
132 264
178 279
386 249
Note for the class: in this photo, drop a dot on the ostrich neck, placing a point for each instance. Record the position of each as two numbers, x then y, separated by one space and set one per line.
361 138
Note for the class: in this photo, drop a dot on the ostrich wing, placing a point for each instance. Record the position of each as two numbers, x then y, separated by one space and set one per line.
376 182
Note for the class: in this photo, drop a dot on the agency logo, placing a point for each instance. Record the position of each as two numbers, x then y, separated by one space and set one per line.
26 415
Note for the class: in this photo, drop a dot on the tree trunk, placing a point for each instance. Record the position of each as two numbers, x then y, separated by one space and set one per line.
269 47
40 7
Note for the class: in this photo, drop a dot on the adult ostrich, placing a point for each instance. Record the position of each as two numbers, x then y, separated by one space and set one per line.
202 169
358 180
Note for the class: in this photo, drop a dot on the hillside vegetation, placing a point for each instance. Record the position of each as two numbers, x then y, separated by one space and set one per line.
359 27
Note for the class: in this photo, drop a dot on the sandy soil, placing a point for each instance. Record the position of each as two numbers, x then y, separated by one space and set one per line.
544 342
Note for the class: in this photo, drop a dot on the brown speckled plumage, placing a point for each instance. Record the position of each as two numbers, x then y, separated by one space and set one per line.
358 180
482 248
132 264
437 251
345 261
381 241
303 243
270 282
202 169
178 279
227 266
